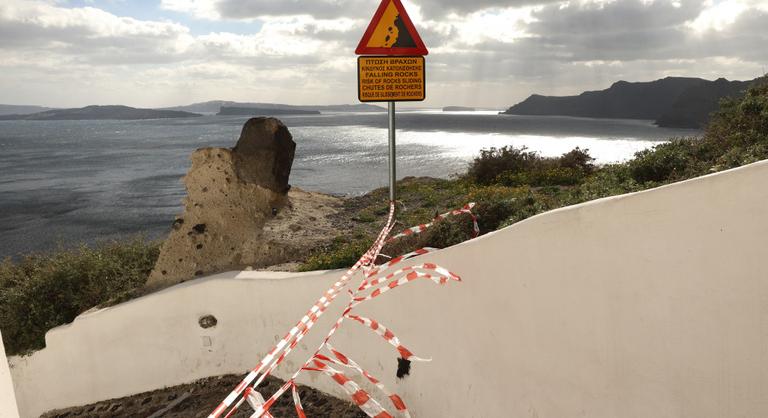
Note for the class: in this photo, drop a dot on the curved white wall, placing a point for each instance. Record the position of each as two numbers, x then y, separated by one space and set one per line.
653 304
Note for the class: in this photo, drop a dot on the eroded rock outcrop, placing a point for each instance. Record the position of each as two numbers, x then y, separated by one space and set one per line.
238 211
264 154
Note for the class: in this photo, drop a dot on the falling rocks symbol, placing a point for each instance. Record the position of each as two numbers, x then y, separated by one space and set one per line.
404 39
391 33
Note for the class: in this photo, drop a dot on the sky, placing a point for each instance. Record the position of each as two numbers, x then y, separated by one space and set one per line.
484 53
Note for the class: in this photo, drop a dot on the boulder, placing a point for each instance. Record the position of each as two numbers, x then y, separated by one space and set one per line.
238 211
264 154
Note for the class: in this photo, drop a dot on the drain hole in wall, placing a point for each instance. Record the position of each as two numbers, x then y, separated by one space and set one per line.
208 321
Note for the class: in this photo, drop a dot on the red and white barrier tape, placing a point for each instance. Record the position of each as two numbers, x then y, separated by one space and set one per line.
411 276
374 270
255 399
345 361
245 390
359 396
423 227
388 336
297 401
426 266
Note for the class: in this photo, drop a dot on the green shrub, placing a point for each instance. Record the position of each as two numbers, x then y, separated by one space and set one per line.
499 206
495 204
342 253
517 167
609 180
493 162
365 217
44 291
543 176
577 159
442 234
737 134
664 162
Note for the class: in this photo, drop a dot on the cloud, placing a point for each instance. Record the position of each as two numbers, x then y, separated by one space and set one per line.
332 9
251 9
206 9
92 35
570 47
81 32
65 56
291 36
630 30
719 15
497 25
439 8
482 53
619 17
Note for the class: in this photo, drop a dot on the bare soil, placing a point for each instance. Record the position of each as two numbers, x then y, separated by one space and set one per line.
199 398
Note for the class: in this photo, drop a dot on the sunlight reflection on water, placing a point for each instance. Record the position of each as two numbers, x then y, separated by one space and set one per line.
467 146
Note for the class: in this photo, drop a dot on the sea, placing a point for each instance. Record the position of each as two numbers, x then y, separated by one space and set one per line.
63 183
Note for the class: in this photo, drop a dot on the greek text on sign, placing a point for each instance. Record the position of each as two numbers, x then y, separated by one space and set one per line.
390 79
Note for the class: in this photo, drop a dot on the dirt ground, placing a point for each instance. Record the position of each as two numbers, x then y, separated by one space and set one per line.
199 398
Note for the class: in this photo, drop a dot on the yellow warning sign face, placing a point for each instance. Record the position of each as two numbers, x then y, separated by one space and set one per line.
391 32
390 79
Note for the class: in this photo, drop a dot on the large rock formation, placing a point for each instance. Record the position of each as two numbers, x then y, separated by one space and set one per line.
674 102
264 154
238 211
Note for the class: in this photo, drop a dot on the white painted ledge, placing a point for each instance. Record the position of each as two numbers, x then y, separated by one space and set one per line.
653 304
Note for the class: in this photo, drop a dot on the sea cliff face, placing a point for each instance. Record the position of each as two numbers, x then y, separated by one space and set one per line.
623 100
674 102
693 107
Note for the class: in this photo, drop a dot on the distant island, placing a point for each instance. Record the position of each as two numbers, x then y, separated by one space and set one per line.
458 109
255 111
101 113
215 106
6 109
675 102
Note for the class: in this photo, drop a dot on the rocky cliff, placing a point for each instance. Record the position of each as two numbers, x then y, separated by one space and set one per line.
693 107
623 100
674 102
239 212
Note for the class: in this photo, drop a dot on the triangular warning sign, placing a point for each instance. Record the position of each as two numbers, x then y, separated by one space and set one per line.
391 32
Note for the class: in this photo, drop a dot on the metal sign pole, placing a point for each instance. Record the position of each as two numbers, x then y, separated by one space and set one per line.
392 163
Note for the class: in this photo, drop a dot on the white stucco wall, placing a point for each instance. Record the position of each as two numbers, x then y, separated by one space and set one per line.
7 396
653 304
